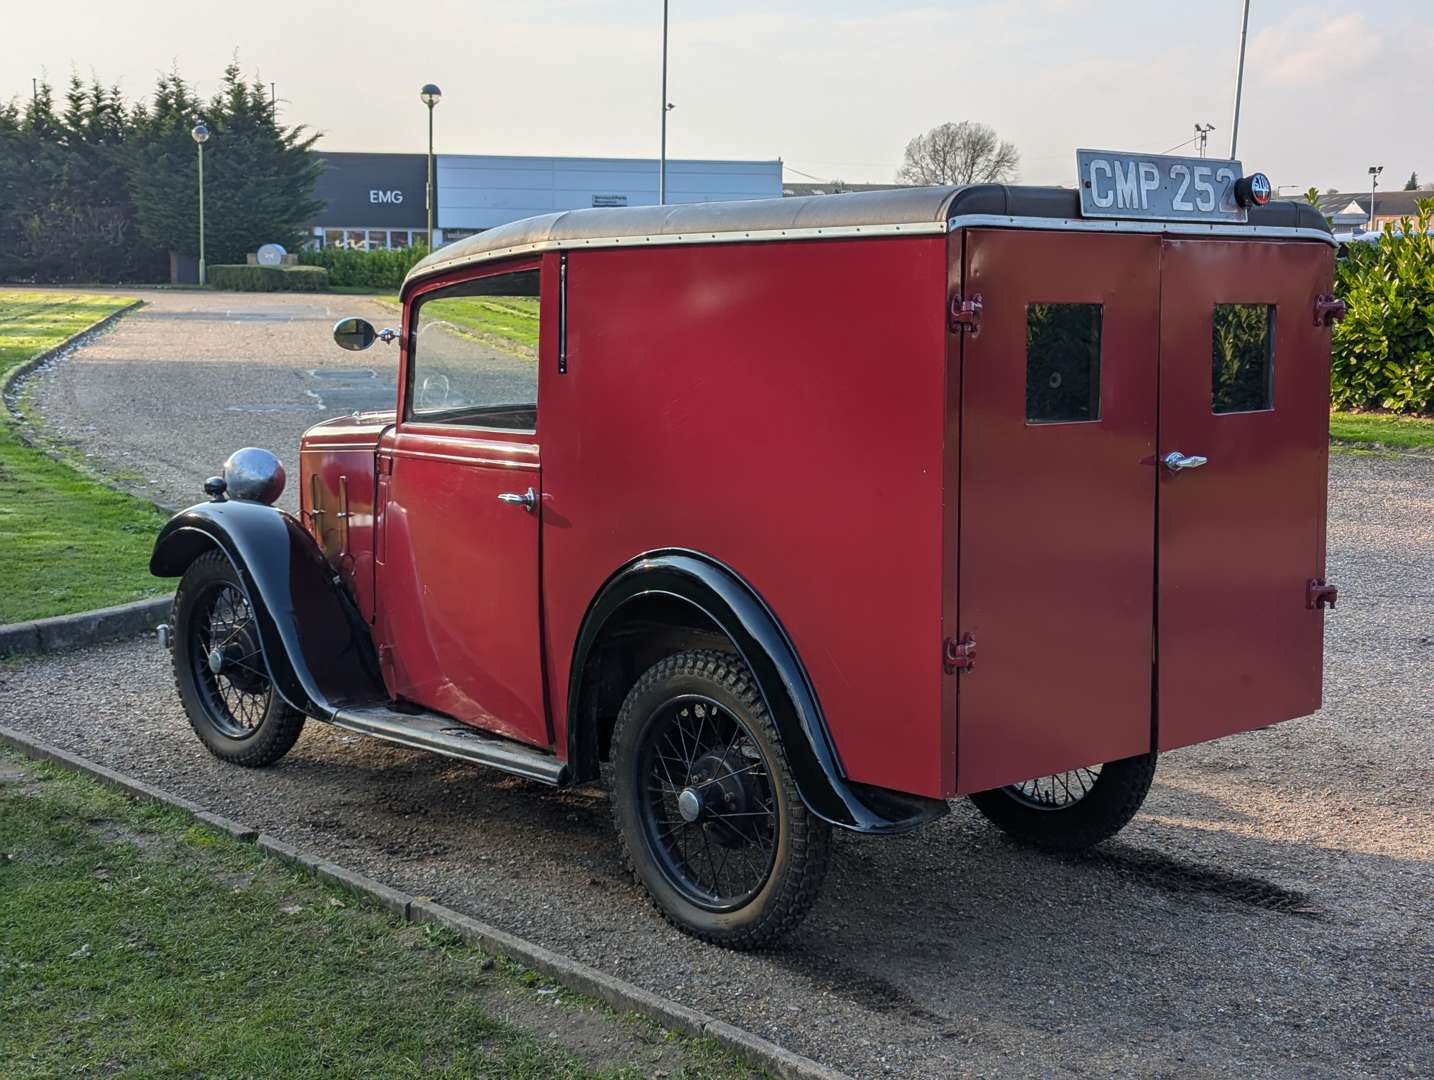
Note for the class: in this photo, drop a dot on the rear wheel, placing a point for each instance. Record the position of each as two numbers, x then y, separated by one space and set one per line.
1073 810
219 669
711 823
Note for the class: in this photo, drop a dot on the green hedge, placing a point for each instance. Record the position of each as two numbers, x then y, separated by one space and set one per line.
382 268
269 278
1383 351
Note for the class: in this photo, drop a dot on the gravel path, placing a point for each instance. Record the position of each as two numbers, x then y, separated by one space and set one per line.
1269 914
163 397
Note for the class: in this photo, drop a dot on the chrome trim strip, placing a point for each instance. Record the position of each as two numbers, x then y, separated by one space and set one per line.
1174 228
913 228
735 236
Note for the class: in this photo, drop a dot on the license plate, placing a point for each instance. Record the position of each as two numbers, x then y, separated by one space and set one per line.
1157 187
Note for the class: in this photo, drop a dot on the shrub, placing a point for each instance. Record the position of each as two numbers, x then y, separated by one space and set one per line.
269 278
1383 351
382 268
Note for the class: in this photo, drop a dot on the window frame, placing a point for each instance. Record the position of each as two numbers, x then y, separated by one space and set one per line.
434 290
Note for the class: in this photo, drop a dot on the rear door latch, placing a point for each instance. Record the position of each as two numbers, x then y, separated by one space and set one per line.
959 654
966 314
1319 594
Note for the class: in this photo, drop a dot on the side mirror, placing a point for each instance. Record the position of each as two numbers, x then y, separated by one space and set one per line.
355 335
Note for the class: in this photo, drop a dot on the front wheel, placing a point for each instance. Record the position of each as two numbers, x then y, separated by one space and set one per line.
711 823
219 669
1073 810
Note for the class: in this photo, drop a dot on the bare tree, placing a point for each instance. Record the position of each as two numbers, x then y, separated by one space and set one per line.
964 153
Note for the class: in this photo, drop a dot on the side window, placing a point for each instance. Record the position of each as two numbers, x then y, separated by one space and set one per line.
1062 363
474 354
1242 358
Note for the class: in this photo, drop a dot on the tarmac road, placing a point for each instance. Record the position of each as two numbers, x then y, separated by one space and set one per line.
1269 914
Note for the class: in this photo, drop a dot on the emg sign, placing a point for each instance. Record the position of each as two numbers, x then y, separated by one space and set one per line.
378 195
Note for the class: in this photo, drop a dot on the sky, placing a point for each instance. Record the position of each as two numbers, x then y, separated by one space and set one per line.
835 88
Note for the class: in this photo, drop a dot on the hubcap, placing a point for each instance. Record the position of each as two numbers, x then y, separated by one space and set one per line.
689 804
216 660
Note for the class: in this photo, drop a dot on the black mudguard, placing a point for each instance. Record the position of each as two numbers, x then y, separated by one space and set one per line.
729 602
318 649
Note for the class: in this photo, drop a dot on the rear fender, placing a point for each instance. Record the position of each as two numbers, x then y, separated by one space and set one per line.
729 603
318 649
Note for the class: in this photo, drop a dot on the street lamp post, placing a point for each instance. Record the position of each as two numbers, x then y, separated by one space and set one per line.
1374 171
200 134
666 108
430 96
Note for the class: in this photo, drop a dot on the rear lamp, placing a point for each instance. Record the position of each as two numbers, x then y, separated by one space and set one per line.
1253 190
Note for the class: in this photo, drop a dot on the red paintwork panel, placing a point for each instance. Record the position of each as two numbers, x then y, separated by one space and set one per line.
1241 537
458 588
336 469
781 408
1056 560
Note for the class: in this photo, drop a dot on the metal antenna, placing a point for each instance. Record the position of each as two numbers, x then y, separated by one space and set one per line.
662 155
1239 80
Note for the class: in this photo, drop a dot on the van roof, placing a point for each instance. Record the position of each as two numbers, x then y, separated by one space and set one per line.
911 210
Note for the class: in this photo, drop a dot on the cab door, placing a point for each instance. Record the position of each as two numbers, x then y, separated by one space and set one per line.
1244 385
458 611
1056 563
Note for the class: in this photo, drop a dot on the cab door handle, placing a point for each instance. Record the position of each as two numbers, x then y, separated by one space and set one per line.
1176 462
528 501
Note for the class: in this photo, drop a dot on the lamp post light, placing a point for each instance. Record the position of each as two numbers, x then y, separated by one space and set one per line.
430 96
1374 171
666 106
200 134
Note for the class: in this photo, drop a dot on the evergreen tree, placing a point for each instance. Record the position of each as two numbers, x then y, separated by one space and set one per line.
259 177
1412 184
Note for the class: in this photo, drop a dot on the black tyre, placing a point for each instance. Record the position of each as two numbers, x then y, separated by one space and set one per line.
711 823
1074 810
219 669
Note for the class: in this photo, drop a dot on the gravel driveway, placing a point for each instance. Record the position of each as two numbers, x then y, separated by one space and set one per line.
1270 913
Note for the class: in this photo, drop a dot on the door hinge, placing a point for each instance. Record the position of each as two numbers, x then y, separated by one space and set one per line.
959 654
966 314
1328 310
1319 594
385 464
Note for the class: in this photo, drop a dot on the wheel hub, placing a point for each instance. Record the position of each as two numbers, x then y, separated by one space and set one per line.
689 804
239 661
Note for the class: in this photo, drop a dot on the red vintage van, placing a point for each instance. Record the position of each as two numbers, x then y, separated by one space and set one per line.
804 513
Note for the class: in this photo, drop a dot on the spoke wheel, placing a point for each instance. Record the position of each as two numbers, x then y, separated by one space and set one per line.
1058 791
1073 810
223 680
711 822
234 683
708 806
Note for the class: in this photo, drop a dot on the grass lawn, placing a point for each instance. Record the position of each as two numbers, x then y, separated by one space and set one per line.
67 542
509 322
1383 429
135 943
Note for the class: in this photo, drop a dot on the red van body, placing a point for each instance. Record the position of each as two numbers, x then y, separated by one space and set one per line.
976 489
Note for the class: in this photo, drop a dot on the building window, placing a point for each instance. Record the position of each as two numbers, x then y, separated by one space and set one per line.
1242 358
1062 363
475 354
398 238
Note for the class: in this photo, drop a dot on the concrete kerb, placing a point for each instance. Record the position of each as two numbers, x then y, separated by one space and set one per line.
617 993
17 373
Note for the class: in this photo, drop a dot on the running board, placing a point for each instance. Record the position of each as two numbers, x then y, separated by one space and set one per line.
443 735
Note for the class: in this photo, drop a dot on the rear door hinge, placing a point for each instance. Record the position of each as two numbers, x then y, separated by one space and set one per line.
1319 594
959 654
1328 310
966 314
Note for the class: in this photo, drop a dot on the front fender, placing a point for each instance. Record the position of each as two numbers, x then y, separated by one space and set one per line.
317 647
736 609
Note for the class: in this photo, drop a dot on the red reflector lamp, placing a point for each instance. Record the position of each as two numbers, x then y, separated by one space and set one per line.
1253 190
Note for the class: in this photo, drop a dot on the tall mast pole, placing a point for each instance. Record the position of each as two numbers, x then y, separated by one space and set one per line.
1240 80
662 156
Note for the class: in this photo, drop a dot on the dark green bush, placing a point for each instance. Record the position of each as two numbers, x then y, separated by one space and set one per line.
1383 351
382 268
269 278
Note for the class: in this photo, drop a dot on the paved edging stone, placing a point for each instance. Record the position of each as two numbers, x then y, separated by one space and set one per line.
83 627
617 993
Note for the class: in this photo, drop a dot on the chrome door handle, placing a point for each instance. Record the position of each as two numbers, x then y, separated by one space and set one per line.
1175 461
528 502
